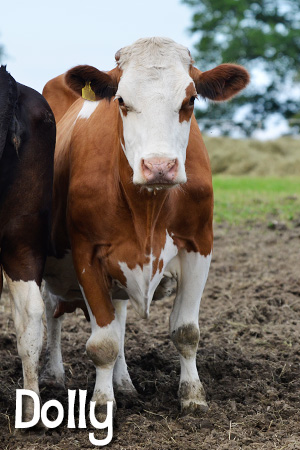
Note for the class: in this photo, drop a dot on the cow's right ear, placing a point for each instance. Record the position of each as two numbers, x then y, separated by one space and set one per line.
103 84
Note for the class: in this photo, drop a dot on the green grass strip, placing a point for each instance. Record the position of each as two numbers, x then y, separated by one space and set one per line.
256 199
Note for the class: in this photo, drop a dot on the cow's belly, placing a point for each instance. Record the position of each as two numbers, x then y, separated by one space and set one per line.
60 278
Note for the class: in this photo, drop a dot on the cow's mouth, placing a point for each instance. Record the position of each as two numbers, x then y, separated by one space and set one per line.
164 186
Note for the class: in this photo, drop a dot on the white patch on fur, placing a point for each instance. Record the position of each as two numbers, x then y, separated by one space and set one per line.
141 282
87 109
153 86
27 308
146 52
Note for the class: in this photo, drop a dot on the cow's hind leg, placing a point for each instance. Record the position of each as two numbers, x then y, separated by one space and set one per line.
23 254
121 377
27 310
53 371
184 328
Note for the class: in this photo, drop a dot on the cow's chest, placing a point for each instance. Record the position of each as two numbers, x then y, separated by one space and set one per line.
139 278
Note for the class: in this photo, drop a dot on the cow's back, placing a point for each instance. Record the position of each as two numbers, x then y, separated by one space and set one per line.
27 161
59 96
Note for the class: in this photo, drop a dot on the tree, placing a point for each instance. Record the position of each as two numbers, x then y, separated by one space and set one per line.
262 35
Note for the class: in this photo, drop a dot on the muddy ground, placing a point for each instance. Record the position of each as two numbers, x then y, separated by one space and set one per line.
248 359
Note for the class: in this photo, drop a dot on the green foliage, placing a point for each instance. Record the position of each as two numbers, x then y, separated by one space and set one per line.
248 200
261 34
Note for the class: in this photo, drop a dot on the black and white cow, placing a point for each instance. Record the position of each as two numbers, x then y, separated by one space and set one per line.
27 142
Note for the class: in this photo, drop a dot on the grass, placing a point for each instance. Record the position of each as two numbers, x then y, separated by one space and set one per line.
242 199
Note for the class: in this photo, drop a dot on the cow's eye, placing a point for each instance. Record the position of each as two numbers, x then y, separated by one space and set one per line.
121 101
192 100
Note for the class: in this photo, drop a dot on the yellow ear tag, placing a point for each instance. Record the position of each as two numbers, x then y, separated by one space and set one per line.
88 93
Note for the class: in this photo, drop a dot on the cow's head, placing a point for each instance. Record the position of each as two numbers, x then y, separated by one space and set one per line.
156 84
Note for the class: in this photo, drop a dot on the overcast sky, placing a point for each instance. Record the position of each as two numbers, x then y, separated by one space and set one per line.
43 39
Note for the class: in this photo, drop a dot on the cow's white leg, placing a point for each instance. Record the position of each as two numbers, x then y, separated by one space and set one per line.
121 377
53 371
103 349
184 327
27 310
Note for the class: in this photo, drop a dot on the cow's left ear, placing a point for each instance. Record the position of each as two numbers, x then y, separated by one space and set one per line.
102 84
220 83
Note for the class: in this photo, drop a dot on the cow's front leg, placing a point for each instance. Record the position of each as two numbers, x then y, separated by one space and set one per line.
103 348
103 345
122 380
27 310
184 327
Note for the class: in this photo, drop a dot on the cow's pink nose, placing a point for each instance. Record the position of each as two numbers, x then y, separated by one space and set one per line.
159 170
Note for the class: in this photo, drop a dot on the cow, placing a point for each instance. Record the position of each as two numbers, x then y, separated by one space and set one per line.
132 205
27 143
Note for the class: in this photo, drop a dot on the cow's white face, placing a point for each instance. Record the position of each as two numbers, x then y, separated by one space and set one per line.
156 96
153 133
155 84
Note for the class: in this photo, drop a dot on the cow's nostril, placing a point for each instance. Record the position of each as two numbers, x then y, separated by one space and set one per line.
159 169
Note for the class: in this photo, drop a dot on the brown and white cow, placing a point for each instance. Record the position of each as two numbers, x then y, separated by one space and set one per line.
27 142
133 204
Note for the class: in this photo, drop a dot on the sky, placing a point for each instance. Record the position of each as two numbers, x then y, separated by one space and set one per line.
43 39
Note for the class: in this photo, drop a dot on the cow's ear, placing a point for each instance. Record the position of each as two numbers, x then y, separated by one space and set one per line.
220 83
101 84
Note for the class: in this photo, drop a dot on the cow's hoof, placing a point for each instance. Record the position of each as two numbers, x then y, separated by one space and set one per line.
27 414
192 398
37 430
126 395
52 381
194 408
101 412
125 387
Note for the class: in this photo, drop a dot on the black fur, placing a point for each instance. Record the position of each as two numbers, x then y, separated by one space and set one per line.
26 176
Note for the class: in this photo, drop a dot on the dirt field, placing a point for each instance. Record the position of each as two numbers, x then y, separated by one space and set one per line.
248 359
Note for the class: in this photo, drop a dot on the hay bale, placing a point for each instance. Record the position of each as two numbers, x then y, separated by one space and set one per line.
280 157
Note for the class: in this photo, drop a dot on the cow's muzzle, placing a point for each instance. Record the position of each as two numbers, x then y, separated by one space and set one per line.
160 171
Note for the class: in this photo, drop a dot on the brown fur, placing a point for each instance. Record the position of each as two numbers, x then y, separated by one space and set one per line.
108 218
220 83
